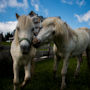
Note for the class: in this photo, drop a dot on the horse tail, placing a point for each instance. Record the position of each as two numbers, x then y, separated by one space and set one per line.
88 50
88 47
88 56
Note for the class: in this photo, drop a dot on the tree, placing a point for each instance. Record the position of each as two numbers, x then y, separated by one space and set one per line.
8 35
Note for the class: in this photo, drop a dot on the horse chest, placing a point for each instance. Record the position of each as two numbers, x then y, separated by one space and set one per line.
23 60
62 49
60 45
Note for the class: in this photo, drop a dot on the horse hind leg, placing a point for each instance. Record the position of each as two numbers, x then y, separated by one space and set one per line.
88 56
79 61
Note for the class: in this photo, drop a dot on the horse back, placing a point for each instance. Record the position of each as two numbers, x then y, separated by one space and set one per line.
87 30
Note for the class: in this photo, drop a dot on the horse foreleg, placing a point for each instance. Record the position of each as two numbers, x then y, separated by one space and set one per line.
27 74
56 62
32 67
64 71
79 60
16 75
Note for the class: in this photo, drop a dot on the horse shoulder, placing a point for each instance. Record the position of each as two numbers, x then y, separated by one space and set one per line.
15 50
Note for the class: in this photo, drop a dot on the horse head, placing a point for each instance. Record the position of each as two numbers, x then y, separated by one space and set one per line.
25 29
46 33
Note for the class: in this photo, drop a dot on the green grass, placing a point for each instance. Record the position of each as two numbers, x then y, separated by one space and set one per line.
5 43
43 77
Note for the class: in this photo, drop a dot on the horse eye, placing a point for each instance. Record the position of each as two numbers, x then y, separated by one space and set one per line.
18 28
53 32
32 29
40 27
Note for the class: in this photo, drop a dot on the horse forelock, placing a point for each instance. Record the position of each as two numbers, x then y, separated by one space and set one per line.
25 22
48 21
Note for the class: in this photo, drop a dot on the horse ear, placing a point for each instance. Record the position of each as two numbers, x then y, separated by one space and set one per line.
32 13
39 20
36 20
17 16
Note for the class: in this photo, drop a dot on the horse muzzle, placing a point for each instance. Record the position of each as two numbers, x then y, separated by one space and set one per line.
36 42
25 46
25 49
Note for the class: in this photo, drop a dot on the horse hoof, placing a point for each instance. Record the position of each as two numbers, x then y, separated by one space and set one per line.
76 75
25 83
54 75
16 88
55 78
63 87
22 85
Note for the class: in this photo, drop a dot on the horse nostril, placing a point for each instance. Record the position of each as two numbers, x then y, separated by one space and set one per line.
24 49
35 41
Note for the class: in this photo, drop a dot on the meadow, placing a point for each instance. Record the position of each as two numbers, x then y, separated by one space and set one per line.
43 77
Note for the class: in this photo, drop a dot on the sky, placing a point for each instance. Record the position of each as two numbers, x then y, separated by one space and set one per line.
75 12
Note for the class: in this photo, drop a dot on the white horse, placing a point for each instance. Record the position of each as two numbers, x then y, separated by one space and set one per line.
22 51
67 42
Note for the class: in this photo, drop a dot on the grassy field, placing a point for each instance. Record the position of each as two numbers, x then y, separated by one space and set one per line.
5 43
43 77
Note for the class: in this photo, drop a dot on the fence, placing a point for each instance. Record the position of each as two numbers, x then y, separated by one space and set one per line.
45 51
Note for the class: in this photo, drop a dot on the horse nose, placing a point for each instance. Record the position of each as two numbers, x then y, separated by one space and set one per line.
24 49
36 42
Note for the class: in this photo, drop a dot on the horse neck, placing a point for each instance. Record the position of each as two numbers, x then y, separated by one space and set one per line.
64 37
71 33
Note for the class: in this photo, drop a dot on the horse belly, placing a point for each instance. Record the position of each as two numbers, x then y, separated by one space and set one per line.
23 61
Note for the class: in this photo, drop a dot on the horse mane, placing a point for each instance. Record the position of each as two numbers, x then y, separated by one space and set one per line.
70 31
64 28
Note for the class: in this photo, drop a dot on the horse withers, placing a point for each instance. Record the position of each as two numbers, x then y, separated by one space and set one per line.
22 51
67 42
